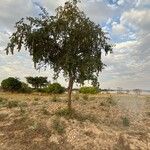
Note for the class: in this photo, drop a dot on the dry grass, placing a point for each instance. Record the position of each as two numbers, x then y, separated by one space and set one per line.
42 122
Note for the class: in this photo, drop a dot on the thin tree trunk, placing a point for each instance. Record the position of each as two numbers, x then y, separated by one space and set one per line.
70 92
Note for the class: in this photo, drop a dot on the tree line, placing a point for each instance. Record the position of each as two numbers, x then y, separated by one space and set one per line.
40 84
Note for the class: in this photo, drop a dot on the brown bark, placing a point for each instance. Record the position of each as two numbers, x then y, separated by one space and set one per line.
70 92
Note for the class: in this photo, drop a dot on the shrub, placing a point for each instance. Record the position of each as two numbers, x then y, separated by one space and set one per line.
25 88
88 90
55 88
11 84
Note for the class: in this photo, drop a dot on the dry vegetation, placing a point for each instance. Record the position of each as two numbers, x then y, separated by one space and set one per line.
98 122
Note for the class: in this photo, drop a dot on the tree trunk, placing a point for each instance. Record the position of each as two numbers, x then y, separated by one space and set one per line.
70 86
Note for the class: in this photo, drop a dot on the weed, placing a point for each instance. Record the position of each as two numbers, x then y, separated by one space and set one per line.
12 104
58 126
125 121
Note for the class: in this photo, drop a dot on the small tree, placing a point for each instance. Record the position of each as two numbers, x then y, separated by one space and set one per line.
37 82
67 42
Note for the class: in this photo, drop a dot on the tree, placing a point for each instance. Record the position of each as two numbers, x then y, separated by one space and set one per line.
11 84
67 42
37 82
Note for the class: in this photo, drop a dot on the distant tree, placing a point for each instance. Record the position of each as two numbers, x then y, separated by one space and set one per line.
67 42
137 91
37 82
11 84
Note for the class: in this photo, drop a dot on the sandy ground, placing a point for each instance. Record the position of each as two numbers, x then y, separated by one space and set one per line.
98 122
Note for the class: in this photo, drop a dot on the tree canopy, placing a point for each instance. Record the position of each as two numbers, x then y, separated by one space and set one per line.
68 41
37 82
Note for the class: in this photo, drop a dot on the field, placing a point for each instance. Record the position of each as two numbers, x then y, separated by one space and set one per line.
98 122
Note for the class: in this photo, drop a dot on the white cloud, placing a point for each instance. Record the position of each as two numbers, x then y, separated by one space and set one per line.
137 18
120 2
118 28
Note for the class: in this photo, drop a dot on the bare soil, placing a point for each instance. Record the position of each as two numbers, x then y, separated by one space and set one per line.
98 122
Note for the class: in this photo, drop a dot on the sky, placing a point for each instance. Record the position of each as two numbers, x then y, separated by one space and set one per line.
127 23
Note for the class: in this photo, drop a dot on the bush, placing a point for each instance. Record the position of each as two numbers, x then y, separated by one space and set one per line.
11 84
25 88
55 88
88 90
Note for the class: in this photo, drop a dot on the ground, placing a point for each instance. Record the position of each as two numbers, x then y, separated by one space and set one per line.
98 122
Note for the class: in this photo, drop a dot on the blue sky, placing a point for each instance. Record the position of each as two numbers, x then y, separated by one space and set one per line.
126 21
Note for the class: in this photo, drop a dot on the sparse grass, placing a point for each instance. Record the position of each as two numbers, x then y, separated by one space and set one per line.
148 114
55 99
35 103
125 121
23 104
76 97
45 111
72 114
36 99
111 101
34 126
3 117
3 102
58 126
22 110
85 97
108 102
12 104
